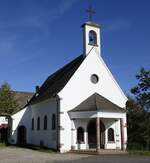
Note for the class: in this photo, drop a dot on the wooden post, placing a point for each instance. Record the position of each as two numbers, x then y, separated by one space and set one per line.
98 134
122 133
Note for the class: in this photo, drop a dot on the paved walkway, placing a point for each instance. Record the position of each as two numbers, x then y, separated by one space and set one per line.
20 155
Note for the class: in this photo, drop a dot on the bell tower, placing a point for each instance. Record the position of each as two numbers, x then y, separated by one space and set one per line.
91 35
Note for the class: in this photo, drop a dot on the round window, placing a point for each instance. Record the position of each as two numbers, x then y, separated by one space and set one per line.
94 78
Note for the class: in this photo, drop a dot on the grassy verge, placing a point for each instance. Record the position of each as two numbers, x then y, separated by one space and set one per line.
139 152
46 150
36 148
40 149
2 145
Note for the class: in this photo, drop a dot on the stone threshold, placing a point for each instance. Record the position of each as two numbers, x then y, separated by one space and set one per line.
101 152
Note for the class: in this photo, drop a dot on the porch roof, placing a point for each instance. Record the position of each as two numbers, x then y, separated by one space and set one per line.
97 102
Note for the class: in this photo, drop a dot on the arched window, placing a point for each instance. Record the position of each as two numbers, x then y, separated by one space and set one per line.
32 123
110 134
92 38
45 122
38 123
53 122
80 135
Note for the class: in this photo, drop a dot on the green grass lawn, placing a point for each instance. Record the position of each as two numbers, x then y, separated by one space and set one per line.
139 152
46 150
2 145
36 148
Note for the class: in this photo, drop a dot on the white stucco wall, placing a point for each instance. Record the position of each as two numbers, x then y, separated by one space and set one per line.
24 117
108 123
21 118
76 91
110 120
86 47
49 136
80 123
80 87
115 125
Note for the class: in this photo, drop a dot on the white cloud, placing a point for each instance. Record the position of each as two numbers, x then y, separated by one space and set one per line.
117 25
65 5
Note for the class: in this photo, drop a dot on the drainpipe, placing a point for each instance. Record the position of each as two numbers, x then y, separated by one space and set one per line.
58 122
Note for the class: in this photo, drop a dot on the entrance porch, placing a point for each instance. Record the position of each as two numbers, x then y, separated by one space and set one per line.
86 135
98 125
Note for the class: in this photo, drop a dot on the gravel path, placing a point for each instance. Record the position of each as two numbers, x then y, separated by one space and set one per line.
21 155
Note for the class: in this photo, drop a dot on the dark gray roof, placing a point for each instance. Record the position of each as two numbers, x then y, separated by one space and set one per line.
91 24
97 102
56 82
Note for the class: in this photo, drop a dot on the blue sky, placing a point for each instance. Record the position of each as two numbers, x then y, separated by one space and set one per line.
37 37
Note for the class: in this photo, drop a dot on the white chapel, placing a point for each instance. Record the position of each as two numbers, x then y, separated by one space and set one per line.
79 107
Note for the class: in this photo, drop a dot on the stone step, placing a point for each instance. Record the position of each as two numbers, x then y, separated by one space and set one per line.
102 152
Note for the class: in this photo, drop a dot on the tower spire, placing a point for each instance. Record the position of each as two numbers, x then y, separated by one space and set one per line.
91 35
90 12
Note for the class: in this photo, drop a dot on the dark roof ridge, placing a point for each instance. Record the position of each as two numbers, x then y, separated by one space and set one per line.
54 75
56 82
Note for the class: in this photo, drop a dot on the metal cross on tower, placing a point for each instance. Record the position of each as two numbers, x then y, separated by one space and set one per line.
90 11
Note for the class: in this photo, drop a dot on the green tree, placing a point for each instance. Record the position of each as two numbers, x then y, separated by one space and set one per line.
8 104
142 90
136 125
138 112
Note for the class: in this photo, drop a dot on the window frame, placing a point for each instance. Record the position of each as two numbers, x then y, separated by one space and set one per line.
94 78
93 34
45 123
110 135
38 123
32 124
80 135
53 122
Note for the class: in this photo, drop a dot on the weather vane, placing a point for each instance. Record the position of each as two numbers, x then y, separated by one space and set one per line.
90 11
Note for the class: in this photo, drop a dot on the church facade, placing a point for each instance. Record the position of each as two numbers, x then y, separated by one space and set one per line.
79 107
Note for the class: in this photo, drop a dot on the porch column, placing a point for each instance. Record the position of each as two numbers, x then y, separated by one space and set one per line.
72 135
98 134
122 134
86 139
